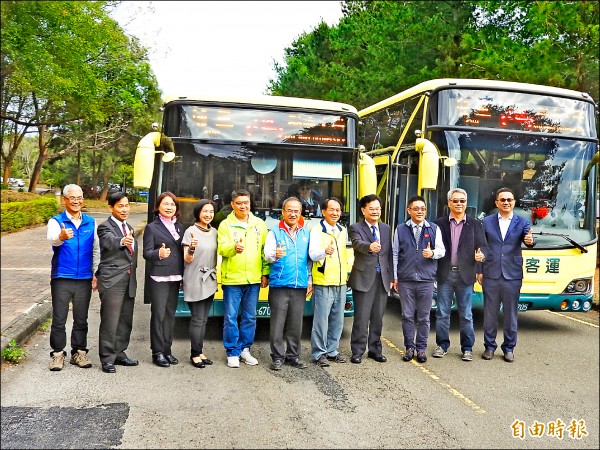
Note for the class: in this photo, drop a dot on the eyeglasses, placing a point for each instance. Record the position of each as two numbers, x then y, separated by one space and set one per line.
374 209
419 209
506 200
292 211
459 200
75 199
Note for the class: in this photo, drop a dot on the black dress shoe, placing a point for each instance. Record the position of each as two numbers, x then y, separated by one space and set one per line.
200 364
172 360
207 361
126 362
108 367
378 358
160 360
356 359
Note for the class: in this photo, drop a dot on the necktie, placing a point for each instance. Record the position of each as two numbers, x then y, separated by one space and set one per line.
374 230
417 235
125 231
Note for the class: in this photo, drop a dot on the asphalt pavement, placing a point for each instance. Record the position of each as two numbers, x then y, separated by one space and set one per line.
25 301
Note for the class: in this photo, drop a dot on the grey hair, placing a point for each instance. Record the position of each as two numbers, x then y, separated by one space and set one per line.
71 187
459 190
290 199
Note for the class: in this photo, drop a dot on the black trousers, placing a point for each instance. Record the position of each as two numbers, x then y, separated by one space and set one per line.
200 311
368 319
162 314
64 291
116 321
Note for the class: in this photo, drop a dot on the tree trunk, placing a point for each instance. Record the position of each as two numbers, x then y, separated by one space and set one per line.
37 168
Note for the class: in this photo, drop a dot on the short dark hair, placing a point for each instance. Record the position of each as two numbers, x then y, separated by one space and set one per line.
415 198
201 204
116 197
173 197
325 203
504 189
363 202
240 193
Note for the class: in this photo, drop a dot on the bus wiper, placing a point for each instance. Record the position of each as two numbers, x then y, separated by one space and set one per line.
565 237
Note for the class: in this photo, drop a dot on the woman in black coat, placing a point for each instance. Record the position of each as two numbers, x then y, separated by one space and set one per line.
164 272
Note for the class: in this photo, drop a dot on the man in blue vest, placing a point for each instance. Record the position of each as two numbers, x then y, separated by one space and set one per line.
75 261
286 250
417 247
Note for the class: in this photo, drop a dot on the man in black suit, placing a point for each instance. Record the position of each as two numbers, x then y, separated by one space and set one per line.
370 279
465 243
116 284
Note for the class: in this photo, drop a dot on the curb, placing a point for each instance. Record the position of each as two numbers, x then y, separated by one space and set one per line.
26 324
23 327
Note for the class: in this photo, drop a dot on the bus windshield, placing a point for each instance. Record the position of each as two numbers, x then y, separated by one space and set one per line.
546 175
272 154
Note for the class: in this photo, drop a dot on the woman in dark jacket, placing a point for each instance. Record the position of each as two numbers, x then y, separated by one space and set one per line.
164 270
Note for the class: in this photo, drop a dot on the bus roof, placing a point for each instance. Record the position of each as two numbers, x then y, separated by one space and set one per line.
432 85
268 100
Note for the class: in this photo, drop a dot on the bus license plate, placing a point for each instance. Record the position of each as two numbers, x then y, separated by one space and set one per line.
263 311
522 307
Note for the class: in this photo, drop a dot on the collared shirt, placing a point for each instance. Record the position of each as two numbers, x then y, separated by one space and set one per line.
120 225
455 231
170 224
376 225
504 224
54 229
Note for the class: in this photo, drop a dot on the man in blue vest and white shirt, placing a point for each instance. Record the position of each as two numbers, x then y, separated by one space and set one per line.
290 283
416 248
75 261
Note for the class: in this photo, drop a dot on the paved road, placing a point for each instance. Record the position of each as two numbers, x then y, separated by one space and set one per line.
25 279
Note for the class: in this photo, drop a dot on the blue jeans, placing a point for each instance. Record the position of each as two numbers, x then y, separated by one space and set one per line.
328 320
454 285
239 299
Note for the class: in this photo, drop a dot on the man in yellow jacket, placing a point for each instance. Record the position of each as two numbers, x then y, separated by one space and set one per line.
240 241
329 272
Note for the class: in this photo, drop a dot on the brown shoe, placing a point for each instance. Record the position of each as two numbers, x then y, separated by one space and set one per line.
58 361
488 354
80 358
509 357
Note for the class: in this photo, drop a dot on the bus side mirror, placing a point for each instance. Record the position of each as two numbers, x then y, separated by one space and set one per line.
429 163
367 175
143 165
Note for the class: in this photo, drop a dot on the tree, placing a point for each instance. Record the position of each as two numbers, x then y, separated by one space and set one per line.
380 48
71 74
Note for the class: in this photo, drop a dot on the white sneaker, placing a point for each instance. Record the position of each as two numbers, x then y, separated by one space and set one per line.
233 361
248 358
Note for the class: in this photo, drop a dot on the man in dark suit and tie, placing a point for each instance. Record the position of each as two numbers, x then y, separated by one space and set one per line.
503 273
370 279
116 284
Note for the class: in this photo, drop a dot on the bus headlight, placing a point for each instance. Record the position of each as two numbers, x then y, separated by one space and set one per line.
587 305
575 304
579 286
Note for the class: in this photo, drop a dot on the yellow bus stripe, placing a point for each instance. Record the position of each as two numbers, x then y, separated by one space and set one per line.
455 392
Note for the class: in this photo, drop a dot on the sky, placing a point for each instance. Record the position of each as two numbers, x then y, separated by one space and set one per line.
220 47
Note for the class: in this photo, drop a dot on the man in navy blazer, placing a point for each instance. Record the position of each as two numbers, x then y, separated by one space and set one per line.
370 279
465 245
503 273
